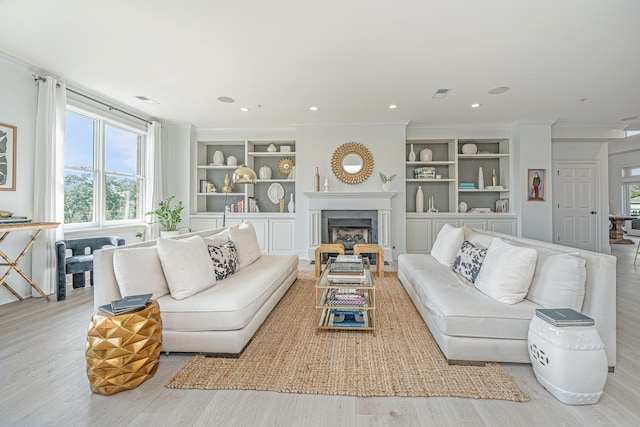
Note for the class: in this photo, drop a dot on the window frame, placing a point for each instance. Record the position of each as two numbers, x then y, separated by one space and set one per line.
100 172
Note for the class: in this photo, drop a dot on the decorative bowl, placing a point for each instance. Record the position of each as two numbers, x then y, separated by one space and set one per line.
469 149
5 214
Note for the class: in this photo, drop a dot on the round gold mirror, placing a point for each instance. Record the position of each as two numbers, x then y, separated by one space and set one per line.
352 163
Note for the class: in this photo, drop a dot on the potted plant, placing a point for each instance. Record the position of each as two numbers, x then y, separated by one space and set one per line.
386 181
167 216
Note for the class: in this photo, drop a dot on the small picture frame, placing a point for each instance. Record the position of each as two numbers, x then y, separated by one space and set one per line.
8 146
536 181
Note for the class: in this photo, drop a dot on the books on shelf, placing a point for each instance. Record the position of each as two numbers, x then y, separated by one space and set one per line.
357 259
564 317
127 304
14 220
467 186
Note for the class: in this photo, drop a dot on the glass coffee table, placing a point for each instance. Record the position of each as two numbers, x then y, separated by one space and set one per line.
346 301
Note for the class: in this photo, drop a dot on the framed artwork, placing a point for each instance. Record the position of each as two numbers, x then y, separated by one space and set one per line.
536 180
8 138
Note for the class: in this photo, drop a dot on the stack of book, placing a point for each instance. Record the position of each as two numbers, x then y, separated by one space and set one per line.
126 304
467 186
347 267
564 317
350 297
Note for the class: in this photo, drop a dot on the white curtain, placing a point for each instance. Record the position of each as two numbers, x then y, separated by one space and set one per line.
48 185
154 177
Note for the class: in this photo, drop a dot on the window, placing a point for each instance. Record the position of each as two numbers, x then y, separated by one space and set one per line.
104 171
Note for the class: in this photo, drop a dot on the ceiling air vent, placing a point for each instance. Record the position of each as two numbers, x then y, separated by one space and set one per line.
441 93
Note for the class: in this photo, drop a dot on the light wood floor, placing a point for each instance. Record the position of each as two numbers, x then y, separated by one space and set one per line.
43 382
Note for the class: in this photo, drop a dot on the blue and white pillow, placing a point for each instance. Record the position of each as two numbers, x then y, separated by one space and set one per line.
469 260
225 259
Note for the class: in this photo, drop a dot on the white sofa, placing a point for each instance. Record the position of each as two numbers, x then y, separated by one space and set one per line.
470 326
221 319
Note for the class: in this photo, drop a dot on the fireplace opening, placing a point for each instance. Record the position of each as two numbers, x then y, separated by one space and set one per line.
349 227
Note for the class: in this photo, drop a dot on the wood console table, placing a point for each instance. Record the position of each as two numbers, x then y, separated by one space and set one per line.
616 233
5 229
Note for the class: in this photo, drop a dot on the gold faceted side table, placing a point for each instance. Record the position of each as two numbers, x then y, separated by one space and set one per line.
122 351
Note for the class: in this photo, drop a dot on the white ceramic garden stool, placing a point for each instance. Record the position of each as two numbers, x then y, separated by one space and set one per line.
569 361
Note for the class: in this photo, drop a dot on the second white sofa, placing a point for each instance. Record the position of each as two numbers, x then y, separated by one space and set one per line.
469 325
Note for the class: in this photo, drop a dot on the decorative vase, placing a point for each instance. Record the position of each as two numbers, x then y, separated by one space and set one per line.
316 181
387 186
469 149
232 161
291 206
480 179
412 155
265 172
326 183
271 148
419 200
281 201
426 155
494 179
218 158
292 174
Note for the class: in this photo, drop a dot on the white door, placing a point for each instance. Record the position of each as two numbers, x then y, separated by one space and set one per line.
576 209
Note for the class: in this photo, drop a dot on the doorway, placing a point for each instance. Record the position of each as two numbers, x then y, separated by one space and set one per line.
576 216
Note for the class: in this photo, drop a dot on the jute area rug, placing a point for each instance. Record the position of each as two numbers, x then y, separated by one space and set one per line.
286 355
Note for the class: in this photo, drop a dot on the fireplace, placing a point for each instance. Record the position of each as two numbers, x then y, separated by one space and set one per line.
349 227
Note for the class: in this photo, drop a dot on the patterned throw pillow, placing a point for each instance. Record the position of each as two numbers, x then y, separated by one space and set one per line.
469 260
225 259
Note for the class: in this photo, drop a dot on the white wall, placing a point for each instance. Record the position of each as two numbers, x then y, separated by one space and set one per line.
532 142
18 108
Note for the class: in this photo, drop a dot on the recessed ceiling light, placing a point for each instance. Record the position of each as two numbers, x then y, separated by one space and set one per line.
393 106
147 100
476 105
441 93
628 119
498 90
226 99
313 108
244 109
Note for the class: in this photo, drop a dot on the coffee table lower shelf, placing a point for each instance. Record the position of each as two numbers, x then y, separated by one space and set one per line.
350 318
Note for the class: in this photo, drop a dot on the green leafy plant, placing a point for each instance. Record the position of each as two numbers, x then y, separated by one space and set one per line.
167 216
386 179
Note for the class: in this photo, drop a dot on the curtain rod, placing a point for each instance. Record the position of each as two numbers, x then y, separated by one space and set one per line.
110 107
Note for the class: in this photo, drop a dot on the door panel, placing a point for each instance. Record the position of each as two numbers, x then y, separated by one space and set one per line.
576 210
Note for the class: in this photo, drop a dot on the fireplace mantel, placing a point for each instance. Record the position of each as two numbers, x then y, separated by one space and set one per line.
351 200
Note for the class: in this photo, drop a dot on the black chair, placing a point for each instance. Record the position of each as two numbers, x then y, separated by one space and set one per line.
80 260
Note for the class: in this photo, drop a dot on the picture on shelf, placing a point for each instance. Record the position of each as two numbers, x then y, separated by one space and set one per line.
536 180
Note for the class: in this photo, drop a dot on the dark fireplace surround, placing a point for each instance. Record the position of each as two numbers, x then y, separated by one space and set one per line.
349 227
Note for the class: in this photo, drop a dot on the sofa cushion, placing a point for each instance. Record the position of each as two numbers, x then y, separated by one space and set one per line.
558 281
138 271
507 271
186 265
244 237
218 239
232 303
468 261
225 259
458 308
447 244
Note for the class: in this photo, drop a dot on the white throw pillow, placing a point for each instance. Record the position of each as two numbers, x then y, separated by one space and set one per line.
186 265
244 237
138 271
506 271
218 239
558 281
447 243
